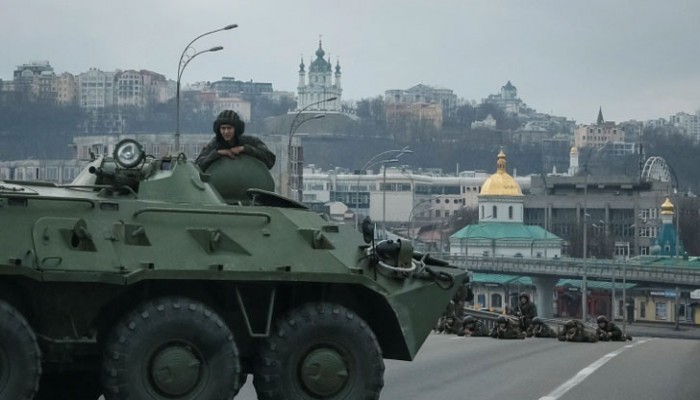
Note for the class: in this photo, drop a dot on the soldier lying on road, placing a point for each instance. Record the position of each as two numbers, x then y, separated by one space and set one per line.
608 331
473 327
506 328
575 331
451 319
540 329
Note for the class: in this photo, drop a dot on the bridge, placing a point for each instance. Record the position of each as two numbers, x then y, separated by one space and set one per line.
656 270
545 273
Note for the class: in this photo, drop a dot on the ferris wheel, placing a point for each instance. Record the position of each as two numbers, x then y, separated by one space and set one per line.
656 169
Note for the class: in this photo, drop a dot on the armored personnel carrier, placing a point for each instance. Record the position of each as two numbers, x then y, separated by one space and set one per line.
141 281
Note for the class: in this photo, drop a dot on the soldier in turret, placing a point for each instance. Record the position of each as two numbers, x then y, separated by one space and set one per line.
575 331
230 142
608 331
506 328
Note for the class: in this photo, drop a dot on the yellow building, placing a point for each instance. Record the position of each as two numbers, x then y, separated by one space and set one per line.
430 113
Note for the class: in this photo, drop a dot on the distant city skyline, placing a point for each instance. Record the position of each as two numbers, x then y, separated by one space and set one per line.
633 58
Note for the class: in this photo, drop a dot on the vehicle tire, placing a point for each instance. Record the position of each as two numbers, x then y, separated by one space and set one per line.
169 349
69 385
320 351
20 358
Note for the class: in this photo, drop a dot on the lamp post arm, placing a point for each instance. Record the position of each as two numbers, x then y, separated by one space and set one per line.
213 49
292 130
181 68
400 151
177 95
294 126
372 161
227 27
411 215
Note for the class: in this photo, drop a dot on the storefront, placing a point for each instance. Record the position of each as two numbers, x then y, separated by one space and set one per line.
659 305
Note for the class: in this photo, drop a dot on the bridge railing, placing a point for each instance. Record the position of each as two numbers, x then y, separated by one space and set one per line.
592 268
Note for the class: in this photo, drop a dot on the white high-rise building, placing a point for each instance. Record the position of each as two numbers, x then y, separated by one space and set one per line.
690 124
96 89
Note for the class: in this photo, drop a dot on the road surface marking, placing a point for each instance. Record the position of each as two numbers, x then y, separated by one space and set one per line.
586 372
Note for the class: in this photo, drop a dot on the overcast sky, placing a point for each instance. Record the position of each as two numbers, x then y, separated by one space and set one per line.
638 59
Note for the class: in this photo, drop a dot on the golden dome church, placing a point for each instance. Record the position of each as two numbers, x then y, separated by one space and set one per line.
500 231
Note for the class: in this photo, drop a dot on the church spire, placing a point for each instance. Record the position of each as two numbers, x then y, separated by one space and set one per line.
601 121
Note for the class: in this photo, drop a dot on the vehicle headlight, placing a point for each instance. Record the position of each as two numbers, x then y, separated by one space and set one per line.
128 153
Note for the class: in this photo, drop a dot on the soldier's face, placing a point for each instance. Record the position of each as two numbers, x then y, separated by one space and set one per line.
227 132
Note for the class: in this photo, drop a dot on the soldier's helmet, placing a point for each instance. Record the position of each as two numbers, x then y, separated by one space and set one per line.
469 320
570 324
229 117
602 319
525 295
502 319
536 321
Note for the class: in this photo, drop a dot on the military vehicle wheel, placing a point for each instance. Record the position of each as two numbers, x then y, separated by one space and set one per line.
20 358
171 348
69 385
320 351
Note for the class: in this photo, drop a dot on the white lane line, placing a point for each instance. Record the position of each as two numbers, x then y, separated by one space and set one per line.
586 372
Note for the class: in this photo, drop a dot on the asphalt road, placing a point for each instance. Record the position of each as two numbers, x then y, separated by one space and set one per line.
449 367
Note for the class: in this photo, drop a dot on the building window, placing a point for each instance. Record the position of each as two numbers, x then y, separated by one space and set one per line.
642 310
52 174
496 300
661 310
510 212
481 300
494 214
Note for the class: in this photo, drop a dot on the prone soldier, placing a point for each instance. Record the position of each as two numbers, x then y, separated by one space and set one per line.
446 323
506 329
473 327
608 331
540 329
575 331
451 319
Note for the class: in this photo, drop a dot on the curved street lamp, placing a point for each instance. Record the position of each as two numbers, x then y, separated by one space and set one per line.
373 161
294 191
184 60
412 215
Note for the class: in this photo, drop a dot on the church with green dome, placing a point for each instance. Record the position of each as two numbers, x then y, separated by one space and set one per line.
501 231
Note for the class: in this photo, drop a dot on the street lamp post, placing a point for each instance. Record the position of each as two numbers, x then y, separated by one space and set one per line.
295 191
372 161
624 295
584 285
411 215
184 60
357 184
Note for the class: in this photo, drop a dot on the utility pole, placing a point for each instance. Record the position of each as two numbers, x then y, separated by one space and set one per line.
678 308
584 286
